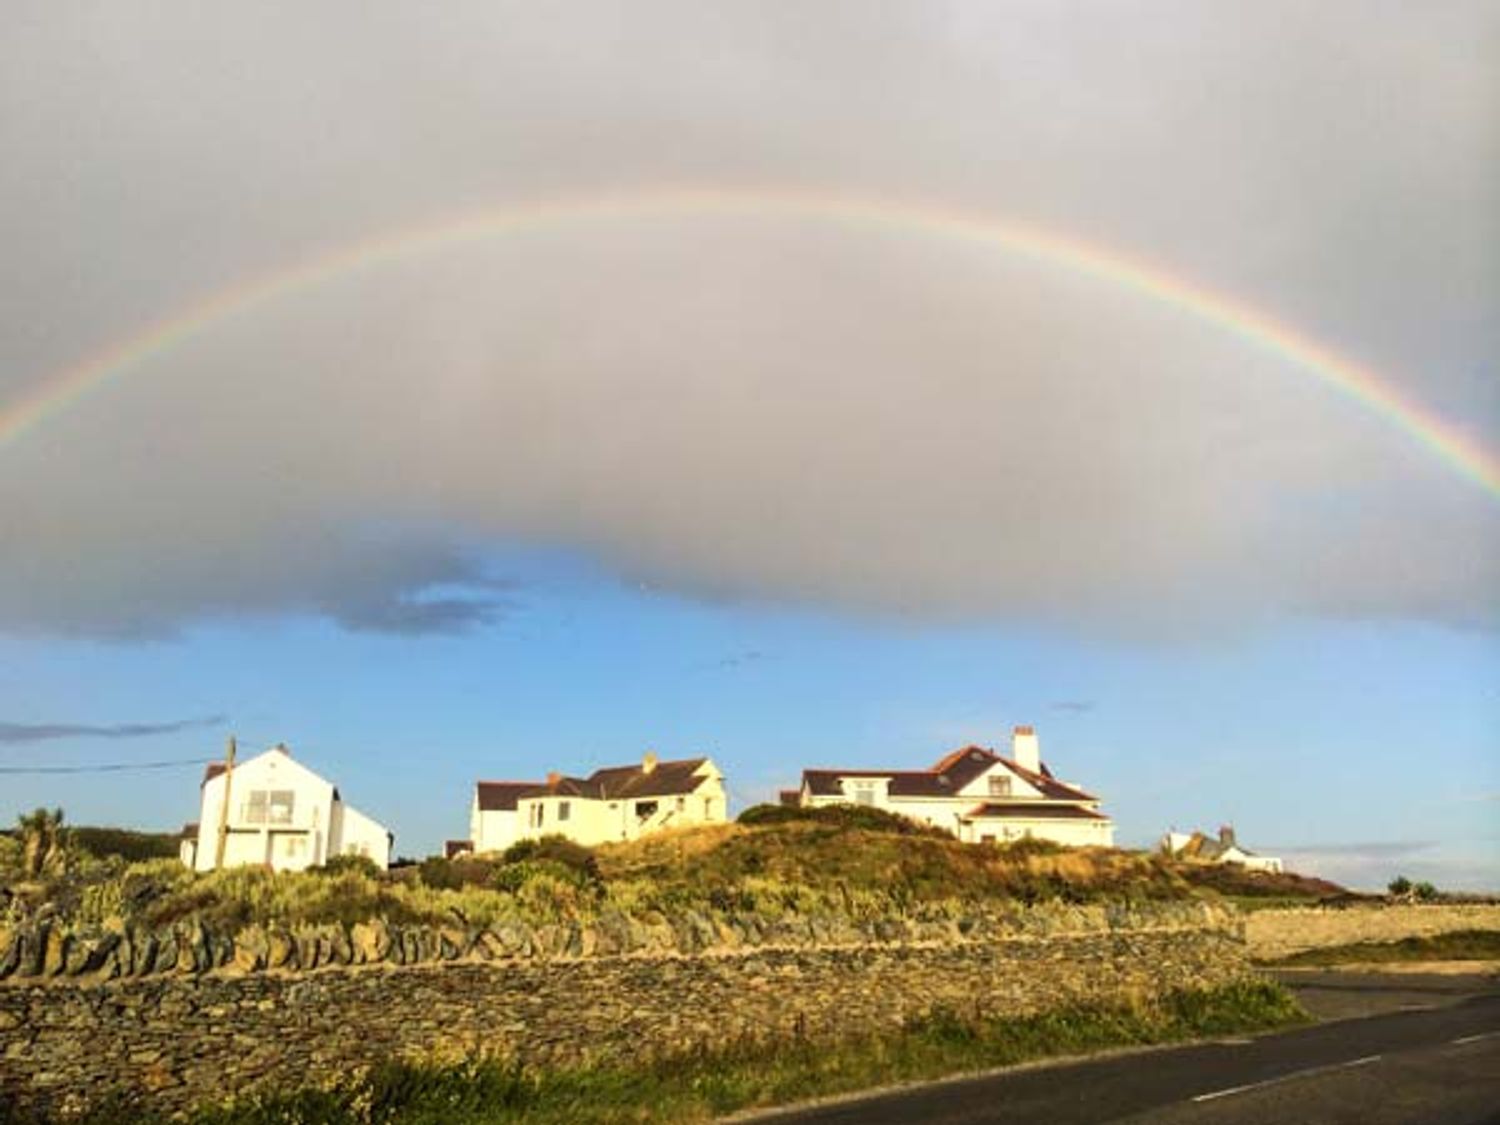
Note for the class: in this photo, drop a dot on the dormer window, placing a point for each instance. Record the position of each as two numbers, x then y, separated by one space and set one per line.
1000 785
863 792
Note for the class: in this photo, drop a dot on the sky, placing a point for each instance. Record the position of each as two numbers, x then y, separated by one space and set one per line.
490 389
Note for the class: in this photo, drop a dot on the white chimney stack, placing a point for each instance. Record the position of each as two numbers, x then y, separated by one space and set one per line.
1025 749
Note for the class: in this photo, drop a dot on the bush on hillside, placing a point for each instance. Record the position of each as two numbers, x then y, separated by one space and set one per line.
129 845
445 874
555 849
1239 882
344 864
861 817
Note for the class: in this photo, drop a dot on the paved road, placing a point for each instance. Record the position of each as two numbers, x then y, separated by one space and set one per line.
1435 1060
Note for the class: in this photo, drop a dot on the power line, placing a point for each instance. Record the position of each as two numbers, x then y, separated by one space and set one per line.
104 767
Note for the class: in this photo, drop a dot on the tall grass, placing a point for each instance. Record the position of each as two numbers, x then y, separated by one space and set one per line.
834 866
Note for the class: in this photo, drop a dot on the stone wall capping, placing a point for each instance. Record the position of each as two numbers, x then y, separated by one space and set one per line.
47 950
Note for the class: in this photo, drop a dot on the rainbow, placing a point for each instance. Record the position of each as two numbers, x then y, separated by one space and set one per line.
58 392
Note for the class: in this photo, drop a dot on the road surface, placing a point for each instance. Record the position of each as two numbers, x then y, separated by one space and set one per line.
1398 1049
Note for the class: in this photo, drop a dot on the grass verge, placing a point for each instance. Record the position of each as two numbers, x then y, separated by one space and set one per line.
703 1086
1460 945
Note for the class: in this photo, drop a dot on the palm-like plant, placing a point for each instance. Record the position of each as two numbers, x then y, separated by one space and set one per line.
43 842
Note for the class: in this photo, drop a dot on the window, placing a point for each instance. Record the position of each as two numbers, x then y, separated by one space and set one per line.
682 804
268 806
293 846
1000 786
282 801
564 810
643 809
537 812
864 792
708 808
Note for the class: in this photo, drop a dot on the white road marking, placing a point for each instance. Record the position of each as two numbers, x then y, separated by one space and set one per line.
1285 1078
1229 1090
1476 1038
1416 1007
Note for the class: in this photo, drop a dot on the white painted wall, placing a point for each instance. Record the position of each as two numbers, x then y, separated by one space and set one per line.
1026 749
947 812
1249 861
592 822
359 834
281 814
1013 787
492 830
1072 833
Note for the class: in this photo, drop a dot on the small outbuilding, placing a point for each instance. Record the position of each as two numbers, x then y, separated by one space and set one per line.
1225 849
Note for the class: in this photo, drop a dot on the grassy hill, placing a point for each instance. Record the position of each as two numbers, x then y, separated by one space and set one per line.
856 863
838 860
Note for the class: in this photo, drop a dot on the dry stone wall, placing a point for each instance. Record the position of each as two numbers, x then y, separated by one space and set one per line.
51 950
1271 934
181 1036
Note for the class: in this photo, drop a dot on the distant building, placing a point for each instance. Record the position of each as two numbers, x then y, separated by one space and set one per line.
1226 849
973 792
616 803
282 815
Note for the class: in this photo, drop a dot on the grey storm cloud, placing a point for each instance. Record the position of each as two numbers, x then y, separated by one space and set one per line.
18 733
752 405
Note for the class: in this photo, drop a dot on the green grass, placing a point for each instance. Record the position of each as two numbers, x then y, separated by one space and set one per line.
1461 945
740 1076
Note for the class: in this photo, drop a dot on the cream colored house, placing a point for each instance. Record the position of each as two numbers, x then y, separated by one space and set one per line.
617 803
974 793
1226 849
281 815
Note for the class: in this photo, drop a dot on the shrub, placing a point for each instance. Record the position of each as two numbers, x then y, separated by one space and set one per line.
129 845
513 876
555 849
841 816
1030 846
1399 886
357 864
441 873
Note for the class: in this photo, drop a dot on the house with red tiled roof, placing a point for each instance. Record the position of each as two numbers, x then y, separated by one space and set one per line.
978 795
613 803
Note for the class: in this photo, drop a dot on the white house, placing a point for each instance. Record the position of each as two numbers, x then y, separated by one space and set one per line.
1226 849
281 815
973 792
615 803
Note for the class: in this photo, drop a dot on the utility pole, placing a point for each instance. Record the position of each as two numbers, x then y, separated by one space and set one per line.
223 836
